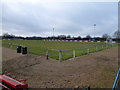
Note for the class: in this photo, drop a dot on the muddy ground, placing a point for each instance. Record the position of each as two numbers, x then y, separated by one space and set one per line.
96 70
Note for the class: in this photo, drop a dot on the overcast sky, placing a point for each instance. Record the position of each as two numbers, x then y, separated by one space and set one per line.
68 18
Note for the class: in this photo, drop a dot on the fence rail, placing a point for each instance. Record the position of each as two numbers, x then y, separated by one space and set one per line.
67 53
88 50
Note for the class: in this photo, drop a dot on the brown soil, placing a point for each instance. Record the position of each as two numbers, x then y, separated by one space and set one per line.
96 70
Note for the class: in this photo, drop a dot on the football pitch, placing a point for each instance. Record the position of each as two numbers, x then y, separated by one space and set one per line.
39 47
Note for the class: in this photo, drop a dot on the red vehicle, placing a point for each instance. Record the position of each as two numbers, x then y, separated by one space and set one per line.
8 83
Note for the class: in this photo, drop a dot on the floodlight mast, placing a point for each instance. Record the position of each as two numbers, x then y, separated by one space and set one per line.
53 33
94 31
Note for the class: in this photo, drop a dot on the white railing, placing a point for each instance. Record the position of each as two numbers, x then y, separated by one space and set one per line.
97 48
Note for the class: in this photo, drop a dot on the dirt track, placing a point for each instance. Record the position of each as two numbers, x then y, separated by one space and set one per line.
96 69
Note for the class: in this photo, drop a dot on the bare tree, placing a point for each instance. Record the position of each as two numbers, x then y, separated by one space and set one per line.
88 37
106 36
116 34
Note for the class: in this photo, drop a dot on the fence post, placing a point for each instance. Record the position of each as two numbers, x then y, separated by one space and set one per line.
60 55
102 46
88 50
96 48
10 45
73 53
47 54
106 46
112 44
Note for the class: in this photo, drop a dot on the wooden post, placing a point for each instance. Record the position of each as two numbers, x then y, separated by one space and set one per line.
47 54
88 50
60 55
73 53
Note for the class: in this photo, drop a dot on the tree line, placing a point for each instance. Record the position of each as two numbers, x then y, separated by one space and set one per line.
104 37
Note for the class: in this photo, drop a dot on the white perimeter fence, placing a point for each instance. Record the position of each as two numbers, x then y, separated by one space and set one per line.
75 50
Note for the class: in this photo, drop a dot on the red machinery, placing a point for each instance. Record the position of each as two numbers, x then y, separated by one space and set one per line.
9 83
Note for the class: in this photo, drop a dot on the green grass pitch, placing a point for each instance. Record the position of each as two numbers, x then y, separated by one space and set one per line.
39 47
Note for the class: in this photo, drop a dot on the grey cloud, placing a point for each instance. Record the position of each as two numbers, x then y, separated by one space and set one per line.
66 18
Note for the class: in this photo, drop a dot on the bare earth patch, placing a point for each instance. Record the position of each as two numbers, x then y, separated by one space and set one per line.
96 70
